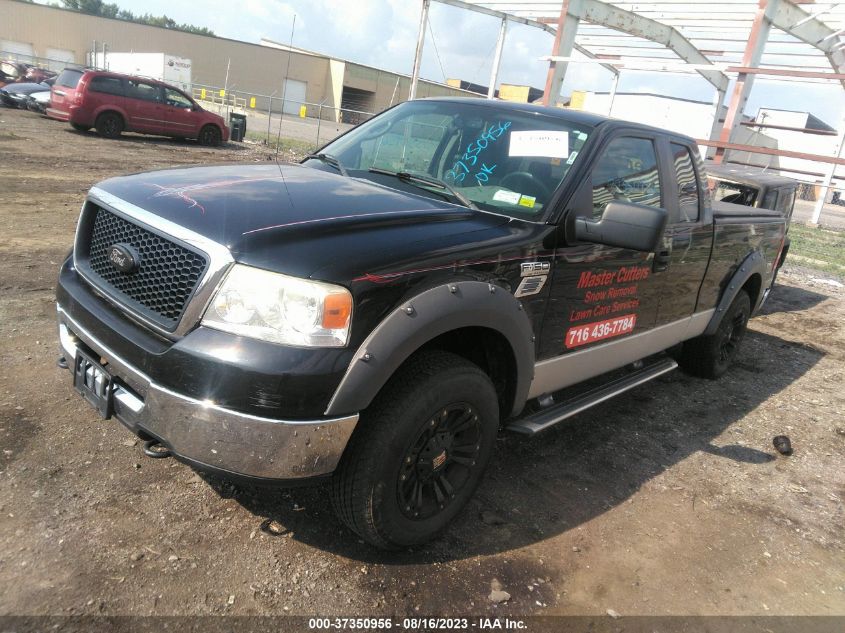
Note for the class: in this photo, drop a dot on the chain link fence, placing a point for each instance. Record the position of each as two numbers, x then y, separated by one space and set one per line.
54 65
275 120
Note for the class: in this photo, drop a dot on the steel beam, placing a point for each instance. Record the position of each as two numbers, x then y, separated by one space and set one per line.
497 60
415 75
826 183
609 16
754 149
516 19
810 30
751 58
567 28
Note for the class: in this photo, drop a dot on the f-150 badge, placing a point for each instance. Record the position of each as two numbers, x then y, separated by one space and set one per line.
535 268
534 276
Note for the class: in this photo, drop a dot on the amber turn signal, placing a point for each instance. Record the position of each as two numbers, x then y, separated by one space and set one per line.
337 309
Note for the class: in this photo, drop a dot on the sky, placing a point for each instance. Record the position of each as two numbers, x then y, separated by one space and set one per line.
460 44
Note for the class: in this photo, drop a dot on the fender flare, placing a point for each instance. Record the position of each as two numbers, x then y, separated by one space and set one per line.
754 264
422 318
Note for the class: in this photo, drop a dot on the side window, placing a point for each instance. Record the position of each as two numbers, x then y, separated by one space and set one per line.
687 184
786 200
770 201
626 171
176 99
144 91
107 85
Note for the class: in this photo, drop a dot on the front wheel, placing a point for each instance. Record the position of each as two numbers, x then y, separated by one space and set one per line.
210 136
710 356
418 453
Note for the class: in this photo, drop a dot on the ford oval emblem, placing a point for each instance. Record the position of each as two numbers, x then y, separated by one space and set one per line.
125 258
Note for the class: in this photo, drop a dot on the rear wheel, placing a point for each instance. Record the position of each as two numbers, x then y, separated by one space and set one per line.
79 127
418 453
109 125
210 136
711 356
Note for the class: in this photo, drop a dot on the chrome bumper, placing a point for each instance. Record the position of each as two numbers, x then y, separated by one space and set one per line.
210 435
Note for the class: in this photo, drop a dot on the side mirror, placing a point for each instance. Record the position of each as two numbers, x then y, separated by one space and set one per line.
624 225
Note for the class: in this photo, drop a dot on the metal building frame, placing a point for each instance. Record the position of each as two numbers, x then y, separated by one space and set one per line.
685 36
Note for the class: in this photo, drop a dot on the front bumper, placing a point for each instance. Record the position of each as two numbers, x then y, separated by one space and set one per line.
209 435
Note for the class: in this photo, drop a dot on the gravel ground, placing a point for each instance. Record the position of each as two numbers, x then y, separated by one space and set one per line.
667 500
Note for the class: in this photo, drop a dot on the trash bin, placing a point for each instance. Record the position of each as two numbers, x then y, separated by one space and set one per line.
237 125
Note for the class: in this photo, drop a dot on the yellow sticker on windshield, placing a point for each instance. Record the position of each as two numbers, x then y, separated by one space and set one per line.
527 201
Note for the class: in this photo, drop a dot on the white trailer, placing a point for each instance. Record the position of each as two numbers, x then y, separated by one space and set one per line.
170 69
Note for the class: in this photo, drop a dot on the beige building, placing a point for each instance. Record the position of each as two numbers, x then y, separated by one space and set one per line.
55 37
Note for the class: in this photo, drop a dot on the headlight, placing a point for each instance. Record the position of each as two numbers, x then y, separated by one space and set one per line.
281 309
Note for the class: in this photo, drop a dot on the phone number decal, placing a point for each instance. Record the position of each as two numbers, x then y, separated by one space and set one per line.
592 332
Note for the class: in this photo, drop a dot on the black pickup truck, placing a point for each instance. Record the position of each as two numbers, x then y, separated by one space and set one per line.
377 314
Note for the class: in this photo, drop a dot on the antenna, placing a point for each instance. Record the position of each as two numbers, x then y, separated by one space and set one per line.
284 87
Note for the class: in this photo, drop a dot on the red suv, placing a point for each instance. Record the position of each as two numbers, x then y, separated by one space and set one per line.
115 103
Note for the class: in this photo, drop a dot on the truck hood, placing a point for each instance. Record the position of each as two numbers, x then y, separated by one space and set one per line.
260 210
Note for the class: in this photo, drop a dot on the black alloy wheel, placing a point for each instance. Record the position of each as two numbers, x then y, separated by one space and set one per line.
440 461
732 337
418 452
710 356
210 136
109 125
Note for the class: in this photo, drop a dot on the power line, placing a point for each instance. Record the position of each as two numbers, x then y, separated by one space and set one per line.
436 52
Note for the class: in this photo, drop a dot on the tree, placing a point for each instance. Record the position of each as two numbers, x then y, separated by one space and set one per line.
111 10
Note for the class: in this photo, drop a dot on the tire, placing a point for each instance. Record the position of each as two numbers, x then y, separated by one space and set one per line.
79 127
711 356
109 125
436 420
210 136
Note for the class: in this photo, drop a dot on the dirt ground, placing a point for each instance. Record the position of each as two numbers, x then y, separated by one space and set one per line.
667 500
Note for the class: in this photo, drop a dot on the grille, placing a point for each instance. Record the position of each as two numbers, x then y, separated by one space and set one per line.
165 279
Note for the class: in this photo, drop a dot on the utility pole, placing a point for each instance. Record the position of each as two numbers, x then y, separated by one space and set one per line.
828 179
415 75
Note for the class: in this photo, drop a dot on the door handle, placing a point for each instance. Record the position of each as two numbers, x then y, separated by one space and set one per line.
662 259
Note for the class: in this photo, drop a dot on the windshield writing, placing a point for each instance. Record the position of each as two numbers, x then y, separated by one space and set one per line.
499 158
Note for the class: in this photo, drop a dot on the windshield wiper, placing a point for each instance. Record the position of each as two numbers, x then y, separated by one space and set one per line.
426 180
329 160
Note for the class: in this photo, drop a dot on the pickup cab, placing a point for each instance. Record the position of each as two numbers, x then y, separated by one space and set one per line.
376 314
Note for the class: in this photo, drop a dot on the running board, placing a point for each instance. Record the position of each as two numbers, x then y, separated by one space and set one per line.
550 416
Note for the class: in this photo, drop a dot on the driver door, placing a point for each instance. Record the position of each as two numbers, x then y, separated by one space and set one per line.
179 114
601 294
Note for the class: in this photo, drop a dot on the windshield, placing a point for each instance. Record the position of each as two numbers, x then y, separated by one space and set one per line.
501 159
